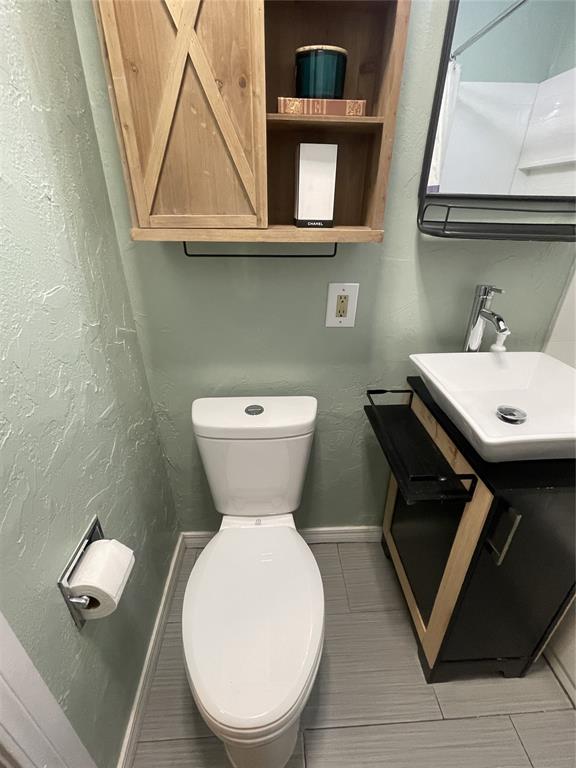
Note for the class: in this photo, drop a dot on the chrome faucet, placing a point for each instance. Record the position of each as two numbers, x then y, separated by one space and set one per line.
480 315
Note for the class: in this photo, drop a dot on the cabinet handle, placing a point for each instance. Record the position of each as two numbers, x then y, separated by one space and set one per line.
499 551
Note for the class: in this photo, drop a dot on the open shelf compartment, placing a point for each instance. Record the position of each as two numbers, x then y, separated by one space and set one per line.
372 33
420 469
355 169
363 27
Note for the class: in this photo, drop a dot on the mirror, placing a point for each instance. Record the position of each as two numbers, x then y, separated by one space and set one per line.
501 153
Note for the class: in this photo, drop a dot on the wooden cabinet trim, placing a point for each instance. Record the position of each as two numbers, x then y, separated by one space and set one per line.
463 547
118 90
214 98
425 417
147 174
387 106
259 114
465 542
115 117
439 436
175 221
272 234
184 23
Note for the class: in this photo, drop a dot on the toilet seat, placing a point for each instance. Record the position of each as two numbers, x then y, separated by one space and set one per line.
253 626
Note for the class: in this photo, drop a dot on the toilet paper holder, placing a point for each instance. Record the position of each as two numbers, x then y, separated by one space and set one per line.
75 602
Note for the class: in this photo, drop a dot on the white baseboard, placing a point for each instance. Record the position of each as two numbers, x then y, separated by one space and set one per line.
133 727
342 534
329 535
197 539
562 674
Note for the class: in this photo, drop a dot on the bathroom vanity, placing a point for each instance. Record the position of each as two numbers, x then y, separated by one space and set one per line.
484 552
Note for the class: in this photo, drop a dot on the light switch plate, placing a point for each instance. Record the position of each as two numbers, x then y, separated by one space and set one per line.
341 305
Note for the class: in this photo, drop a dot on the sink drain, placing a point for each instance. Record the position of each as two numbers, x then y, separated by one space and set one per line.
511 415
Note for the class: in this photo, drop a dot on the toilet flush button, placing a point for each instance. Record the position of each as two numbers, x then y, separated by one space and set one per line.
254 410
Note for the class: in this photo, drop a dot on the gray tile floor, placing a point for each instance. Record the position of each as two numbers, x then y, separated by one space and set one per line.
370 705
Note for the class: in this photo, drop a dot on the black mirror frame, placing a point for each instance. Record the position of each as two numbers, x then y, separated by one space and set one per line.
468 229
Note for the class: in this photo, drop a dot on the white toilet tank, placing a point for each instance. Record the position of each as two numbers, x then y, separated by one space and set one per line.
255 451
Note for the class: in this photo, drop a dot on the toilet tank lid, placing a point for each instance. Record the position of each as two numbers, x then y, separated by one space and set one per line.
253 418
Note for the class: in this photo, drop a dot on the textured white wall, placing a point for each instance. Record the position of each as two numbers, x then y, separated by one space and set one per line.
78 435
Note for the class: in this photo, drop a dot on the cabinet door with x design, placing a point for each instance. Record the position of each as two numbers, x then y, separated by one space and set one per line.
187 79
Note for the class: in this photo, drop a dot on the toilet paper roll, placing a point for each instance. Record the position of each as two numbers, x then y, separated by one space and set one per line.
102 574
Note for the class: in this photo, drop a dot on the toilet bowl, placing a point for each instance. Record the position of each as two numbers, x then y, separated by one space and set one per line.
253 612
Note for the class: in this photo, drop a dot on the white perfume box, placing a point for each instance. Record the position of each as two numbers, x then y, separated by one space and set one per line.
315 185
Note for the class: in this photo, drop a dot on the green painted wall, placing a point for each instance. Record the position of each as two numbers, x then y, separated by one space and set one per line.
77 429
78 435
534 43
246 325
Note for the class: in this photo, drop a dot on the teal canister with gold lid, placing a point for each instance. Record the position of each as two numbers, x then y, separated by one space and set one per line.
320 71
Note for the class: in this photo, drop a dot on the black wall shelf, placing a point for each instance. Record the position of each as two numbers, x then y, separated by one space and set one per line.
422 472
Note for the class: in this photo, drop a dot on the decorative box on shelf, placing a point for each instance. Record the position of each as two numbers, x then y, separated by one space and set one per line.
341 107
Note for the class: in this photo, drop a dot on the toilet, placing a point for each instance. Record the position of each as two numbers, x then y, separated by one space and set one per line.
253 613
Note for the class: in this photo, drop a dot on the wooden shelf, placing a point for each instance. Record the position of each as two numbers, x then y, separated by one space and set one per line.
374 34
363 123
274 234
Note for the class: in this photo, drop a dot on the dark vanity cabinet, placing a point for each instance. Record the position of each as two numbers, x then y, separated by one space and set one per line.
484 553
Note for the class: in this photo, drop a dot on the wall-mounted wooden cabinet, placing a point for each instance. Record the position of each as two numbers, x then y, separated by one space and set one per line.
194 87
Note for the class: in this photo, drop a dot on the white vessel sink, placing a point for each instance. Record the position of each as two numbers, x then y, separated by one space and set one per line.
470 386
